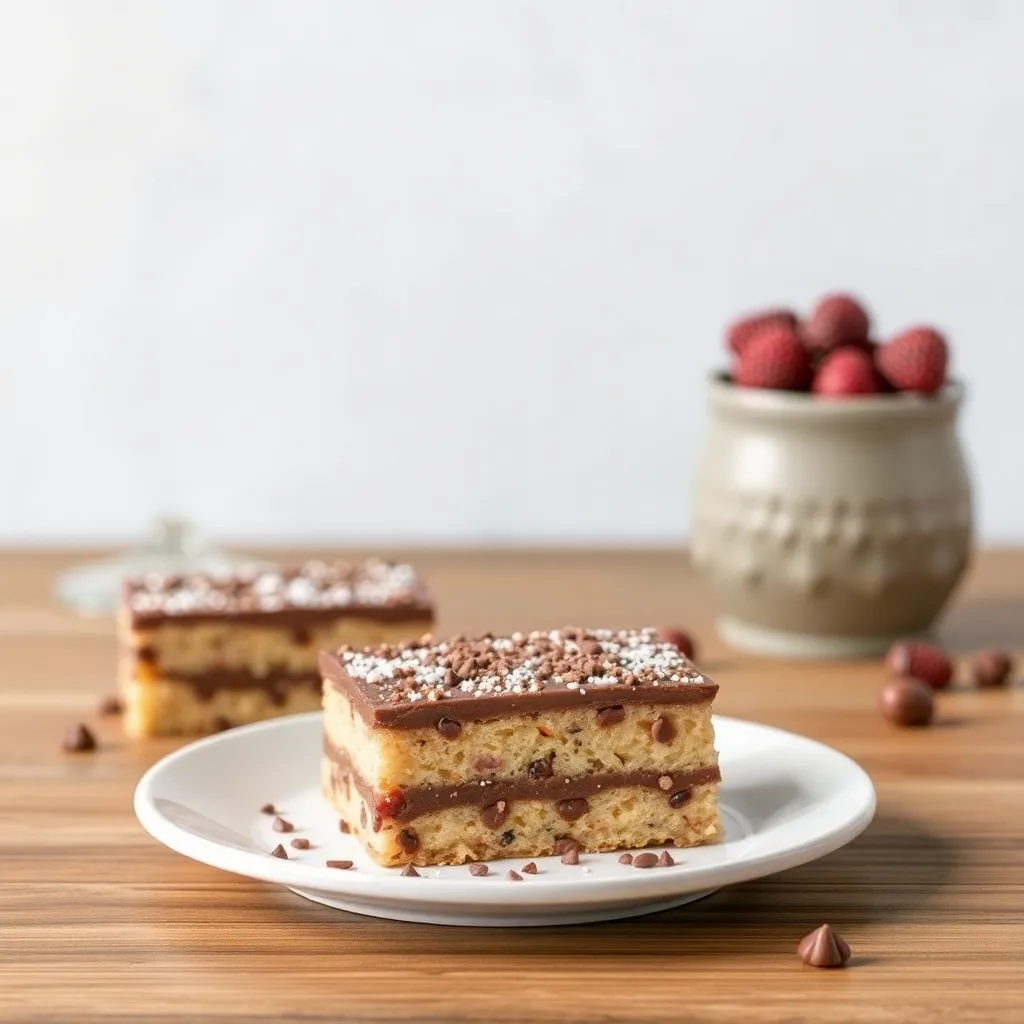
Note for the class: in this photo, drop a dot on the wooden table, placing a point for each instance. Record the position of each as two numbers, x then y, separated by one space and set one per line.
99 923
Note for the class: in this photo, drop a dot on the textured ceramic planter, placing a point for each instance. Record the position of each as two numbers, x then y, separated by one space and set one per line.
830 528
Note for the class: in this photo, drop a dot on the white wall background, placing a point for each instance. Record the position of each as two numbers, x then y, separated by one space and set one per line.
454 271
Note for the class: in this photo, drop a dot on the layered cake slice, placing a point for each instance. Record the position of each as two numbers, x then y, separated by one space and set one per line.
203 652
471 750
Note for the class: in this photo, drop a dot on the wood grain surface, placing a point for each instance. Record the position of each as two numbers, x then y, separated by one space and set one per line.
100 923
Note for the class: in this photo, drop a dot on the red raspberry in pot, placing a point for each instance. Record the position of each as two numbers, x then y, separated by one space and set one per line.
742 330
846 371
913 659
773 358
837 320
915 360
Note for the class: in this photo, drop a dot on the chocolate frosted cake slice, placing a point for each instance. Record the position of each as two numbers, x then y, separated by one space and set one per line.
203 652
499 747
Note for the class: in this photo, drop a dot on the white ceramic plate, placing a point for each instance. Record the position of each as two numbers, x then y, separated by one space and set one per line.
786 800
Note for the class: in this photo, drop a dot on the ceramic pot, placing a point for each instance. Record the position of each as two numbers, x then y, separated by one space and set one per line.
830 528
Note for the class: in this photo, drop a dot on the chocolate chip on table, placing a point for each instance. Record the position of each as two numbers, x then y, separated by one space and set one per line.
645 860
78 739
299 843
824 948
571 810
280 825
610 715
530 869
908 703
110 705
279 851
680 797
626 858
448 728
268 808
407 841
514 876
663 730
410 872
991 668
665 859
571 856
478 870
494 815
344 865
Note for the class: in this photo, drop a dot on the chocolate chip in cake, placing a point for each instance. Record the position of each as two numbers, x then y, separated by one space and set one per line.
363 816
571 856
626 858
824 948
485 764
570 810
279 851
514 876
663 730
78 739
612 715
410 872
645 860
146 655
280 825
507 837
301 636
542 768
680 797
407 840
448 728
344 865
110 705
343 825
665 782
530 869
665 859
478 870
494 815
220 724
300 843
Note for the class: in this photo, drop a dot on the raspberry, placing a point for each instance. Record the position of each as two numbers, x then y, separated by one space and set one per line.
680 638
741 331
846 371
773 358
925 662
914 360
837 320
991 668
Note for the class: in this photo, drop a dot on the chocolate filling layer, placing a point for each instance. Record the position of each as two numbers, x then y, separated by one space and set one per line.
276 685
364 698
408 804
419 617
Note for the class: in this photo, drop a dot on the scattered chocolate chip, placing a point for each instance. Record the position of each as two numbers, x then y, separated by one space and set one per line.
78 739
506 838
665 782
645 860
448 728
571 856
344 865
280 825
991 668
626 858
301 636
542 768
514 876
478 870
220 724
680 797
343 825
279 851
299 843
610 715
678 638
408 841
907 702
410 872
565 844
665 859
268 809
494 815
570 810
823 948
110 705
663 730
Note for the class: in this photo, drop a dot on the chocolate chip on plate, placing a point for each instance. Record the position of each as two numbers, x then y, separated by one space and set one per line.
514 876
344 865
280 825
410 872
571 856
279 851
478 870
645 860
626 858
665 859
299 843
530 869
268 808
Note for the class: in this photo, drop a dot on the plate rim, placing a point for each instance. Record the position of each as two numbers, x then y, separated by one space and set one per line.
552 892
